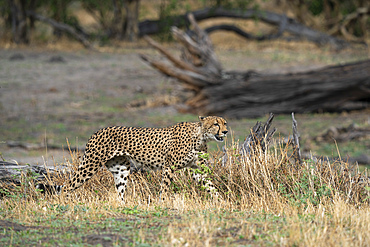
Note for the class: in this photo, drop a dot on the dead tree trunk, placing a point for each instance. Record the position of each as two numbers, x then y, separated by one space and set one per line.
19 21
250 94
259 137
131 26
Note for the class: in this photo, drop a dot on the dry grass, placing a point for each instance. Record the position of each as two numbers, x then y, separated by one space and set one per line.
265 199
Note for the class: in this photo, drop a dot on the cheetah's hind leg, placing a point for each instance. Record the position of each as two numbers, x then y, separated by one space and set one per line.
119 166
167 179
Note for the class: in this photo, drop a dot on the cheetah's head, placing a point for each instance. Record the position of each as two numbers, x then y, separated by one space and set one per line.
213 128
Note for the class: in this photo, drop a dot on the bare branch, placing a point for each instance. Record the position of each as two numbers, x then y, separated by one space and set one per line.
177 62
63 27
296 148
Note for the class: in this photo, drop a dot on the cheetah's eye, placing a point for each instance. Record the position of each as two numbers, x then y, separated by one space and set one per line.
215 124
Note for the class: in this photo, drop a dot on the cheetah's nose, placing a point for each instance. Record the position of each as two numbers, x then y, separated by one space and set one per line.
225 132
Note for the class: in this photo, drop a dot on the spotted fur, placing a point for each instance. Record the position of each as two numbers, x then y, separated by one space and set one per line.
123 148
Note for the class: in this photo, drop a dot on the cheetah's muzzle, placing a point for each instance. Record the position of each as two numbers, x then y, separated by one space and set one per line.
219 138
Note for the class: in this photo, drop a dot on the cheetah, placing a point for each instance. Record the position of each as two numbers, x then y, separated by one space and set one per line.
168 149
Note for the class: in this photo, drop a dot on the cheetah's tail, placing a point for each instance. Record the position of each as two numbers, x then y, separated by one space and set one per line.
50 189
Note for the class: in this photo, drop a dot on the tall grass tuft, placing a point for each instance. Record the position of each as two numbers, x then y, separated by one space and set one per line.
262 179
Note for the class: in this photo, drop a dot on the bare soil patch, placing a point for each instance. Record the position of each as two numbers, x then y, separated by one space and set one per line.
5 224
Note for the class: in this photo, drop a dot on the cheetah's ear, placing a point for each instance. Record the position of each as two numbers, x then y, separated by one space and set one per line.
201 118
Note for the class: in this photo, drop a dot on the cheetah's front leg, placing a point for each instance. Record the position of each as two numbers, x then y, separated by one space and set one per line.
200 174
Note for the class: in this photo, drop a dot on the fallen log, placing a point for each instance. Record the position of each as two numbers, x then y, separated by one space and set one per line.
284 24
331 89
12 172
13 176
236 94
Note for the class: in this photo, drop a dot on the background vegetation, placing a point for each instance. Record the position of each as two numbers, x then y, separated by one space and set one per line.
121 19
